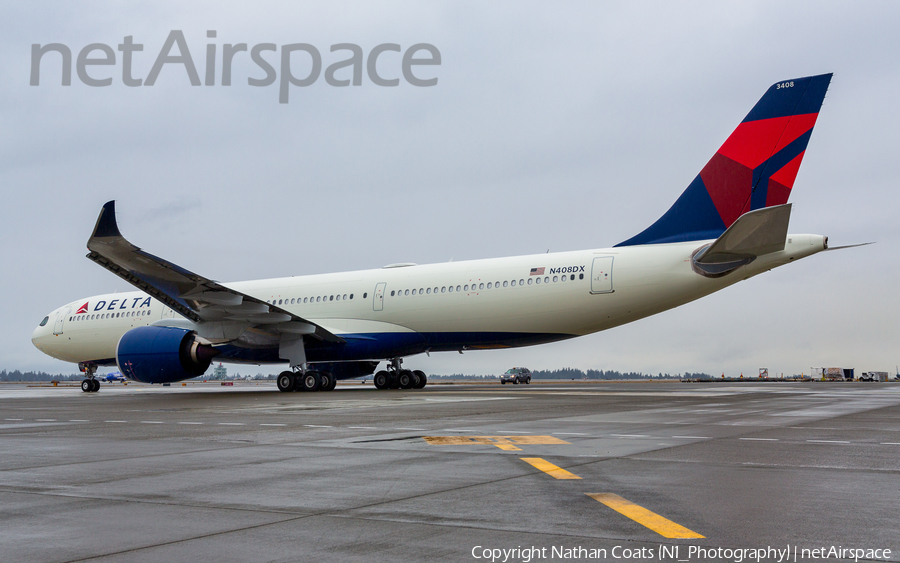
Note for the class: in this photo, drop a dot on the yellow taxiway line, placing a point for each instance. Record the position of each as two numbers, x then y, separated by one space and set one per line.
549 468
507 443
644 517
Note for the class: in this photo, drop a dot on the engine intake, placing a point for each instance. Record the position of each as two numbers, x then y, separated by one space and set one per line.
158 354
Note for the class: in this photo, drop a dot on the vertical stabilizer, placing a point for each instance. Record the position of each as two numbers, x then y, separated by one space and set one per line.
755 168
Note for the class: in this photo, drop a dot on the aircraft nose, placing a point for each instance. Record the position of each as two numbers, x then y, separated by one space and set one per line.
39 336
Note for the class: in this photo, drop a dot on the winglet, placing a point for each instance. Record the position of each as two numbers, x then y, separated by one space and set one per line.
106 223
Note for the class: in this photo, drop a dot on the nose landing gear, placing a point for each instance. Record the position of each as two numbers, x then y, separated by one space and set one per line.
89 384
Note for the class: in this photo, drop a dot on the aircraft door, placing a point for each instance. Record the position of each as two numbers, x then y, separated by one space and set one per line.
601 275
378 303
60 320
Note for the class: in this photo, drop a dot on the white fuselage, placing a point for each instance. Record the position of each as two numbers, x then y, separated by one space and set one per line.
487 303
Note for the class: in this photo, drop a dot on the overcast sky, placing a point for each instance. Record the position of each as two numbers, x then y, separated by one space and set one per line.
561 126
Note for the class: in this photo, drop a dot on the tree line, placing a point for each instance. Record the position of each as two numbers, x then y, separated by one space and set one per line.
564 373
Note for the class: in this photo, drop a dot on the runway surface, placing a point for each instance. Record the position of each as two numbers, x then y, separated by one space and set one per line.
560 471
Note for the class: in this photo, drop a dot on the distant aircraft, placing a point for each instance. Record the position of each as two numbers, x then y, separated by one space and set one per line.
114 376
731 223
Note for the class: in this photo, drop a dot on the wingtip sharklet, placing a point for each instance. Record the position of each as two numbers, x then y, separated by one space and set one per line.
106 223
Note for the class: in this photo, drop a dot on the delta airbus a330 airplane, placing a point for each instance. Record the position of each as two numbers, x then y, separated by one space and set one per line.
731 223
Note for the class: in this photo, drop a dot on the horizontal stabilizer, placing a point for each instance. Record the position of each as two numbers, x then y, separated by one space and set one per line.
754 234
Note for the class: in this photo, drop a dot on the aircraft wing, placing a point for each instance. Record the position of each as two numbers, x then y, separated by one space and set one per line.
193 296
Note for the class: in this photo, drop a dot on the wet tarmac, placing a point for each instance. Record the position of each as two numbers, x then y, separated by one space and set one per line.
571 471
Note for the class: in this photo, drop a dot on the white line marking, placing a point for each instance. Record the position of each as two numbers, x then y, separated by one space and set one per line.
152 422
890 443
630 435
317 426
409 429
14 419
760 439
45 420
265 424
79 420
189 423
231 424
362 428
829 441
115 421
568 433
694 437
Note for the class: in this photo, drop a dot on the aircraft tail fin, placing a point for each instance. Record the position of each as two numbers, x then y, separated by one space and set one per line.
754 169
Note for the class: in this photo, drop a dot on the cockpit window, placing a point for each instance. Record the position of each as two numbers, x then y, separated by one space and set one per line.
43 322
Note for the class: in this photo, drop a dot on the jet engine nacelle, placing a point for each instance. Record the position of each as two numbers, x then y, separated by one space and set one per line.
161 354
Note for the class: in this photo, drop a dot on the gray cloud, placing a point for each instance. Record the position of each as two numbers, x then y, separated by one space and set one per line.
585 119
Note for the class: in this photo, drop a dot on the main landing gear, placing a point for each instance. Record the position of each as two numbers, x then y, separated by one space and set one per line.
397 378
89 384
306 381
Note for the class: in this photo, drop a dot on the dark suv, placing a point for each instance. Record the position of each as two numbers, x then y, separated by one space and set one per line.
516 376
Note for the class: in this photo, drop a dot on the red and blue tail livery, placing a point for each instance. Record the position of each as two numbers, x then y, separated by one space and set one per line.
755 168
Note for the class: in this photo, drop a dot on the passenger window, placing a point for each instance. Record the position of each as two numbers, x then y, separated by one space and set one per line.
392 293
332 298
414 292
429 291
513 283
489 285
547 279
450 289
407 292
444 289
481 286
563 278
580 276
521 282
537 280
496 284
554 279
505 283
457 288
435 290
420 291
529 281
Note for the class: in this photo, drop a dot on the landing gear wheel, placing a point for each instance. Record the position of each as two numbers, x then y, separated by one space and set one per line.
328 381
285 381
96 385
310 381
421 379
87 386
405 379
382 380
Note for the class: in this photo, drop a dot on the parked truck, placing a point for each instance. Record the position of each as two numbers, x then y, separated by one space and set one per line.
873 376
